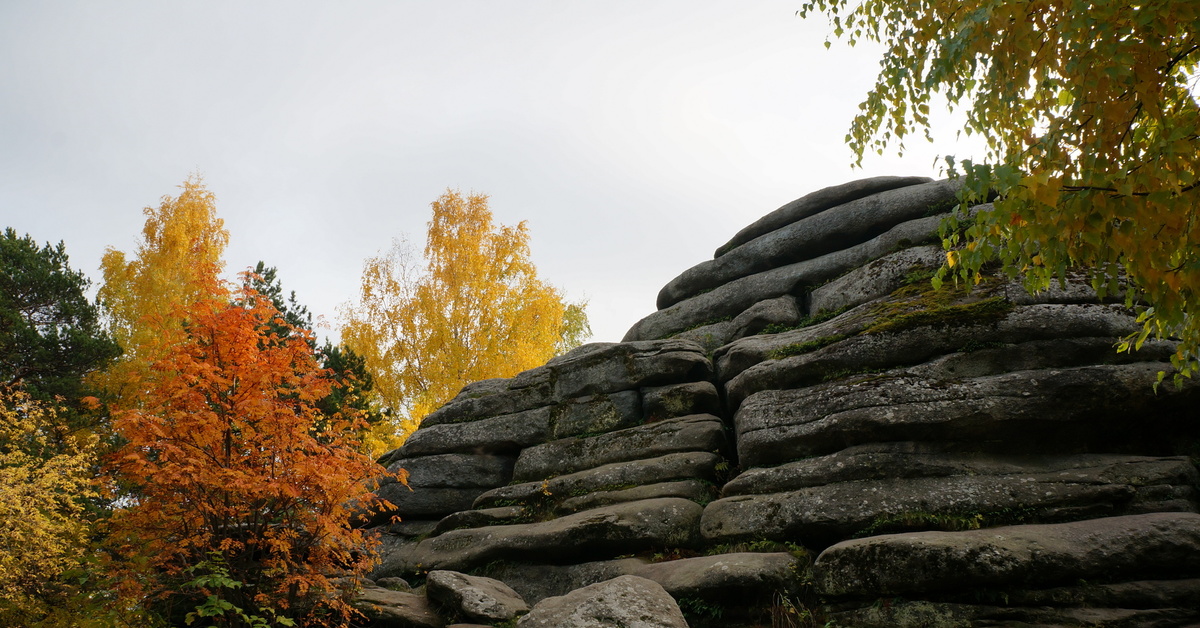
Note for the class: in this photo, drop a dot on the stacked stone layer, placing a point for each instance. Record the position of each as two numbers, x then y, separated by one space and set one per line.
807 395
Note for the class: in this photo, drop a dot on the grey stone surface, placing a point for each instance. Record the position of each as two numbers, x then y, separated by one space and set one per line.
878 461
1158 545
695 490
627 601
816 202
631 365
666 402
735 297
1032 489
536 582
699 432
677 466
424 503
506 433
597 413
456 470
493 397
876 279
394 584
908 347
501 515
727 576
1071 409
590 535
474 598
833 230
396 609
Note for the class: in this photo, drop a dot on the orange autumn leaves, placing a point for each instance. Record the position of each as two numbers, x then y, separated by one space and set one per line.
227 453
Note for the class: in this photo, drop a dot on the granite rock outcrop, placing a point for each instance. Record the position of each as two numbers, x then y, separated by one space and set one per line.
807 431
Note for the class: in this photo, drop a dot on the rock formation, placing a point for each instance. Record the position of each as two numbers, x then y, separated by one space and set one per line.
806 431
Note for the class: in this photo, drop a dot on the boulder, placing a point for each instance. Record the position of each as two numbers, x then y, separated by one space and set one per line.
877 461
1034 490
701 432
816 202
1113 549
474 598
501 515
630 365
590 535
384 608
627 601
809 359
456 470
666 402
728 576
733 298
596 414
678 466
503 434
1097 408
538 581
695 490
877 279
493 397
833 230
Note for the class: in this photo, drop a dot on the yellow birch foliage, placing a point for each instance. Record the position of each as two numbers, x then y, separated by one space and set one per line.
177 262
1090 115
476 310
45 475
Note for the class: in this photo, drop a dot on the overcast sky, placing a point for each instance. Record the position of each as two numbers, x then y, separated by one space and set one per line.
634 136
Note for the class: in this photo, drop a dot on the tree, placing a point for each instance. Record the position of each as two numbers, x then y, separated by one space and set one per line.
177 261
353 383
1090 115
240 487
44 479
476 310
50 334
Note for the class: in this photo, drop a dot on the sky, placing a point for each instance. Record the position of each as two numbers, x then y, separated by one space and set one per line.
634 137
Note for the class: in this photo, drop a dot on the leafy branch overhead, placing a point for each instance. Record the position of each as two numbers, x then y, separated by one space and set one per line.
1090 117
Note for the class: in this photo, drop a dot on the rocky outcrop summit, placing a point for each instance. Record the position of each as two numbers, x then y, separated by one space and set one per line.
807 432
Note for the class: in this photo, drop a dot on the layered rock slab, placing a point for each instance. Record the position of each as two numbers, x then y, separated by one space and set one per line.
627 601
1113 549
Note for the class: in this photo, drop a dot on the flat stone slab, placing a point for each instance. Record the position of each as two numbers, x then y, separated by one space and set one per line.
627 601
700 432
1160 545
1034 411
625 528
879 461
1043 490
506 433
726 576
385 608
832 230
475 598
613 476
733 298
757 369
814 203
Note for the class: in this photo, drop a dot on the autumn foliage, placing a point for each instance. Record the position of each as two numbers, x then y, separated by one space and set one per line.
1091 119
475 310
45 480
234 475
177 262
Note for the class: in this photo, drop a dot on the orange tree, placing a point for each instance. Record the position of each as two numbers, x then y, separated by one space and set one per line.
238 489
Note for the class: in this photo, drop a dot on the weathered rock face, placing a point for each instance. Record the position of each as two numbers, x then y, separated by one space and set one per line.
949 458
